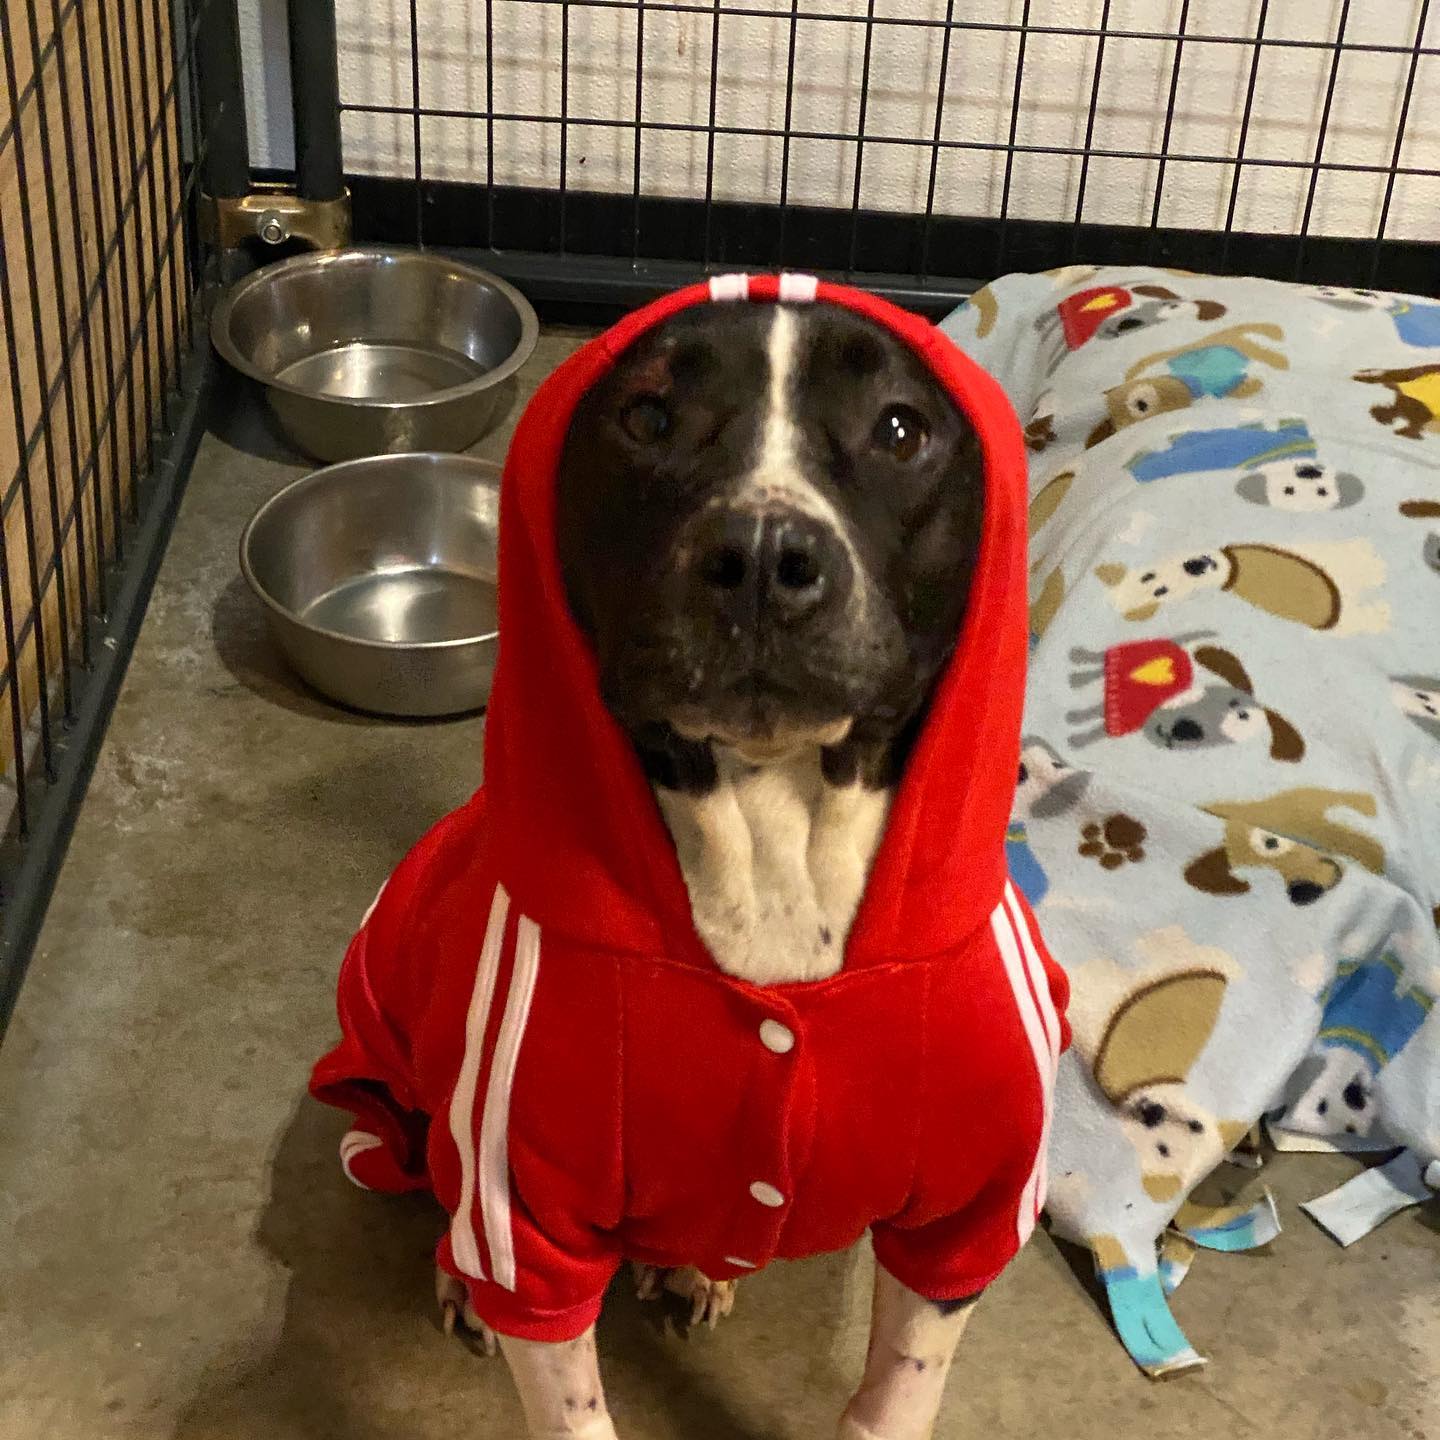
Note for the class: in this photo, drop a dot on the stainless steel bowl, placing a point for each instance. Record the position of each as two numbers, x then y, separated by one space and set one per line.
378 580
377 351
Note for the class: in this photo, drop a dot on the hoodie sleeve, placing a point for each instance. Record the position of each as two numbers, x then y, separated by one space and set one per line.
991 1081
384 982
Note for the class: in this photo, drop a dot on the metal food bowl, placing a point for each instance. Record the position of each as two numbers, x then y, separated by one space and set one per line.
378 580
377 351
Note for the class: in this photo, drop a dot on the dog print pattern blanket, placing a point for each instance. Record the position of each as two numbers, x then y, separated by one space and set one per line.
1228 814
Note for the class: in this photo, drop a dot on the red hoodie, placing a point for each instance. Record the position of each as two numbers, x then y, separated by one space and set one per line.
533 1029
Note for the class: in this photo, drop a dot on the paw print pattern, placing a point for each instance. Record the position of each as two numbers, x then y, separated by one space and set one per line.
1114 841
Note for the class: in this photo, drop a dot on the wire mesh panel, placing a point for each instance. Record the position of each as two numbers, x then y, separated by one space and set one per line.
98 272
938 141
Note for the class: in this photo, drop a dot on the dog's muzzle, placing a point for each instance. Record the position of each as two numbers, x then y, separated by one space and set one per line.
760 568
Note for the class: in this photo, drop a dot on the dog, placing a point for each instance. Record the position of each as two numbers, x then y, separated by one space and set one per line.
1414 409
734 574
1151 686
813 500
771 670
1418 698
1304 485
1222 367
1140 1035
1316 585
1292 834
1109 312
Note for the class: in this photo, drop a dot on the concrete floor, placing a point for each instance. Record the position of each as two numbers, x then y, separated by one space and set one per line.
180 1256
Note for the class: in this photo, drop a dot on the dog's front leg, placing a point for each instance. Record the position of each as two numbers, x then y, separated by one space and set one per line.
560 1388
912 1342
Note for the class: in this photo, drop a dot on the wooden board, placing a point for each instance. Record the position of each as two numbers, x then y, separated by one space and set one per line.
93 242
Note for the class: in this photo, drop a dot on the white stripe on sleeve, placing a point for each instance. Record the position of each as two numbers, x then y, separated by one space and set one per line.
1041 982
495 1123
1036 968
462 1102
1009 947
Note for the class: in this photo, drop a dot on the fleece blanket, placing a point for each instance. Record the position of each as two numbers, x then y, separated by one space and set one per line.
1228 814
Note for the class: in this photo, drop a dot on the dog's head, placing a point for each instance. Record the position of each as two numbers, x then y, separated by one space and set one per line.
1154 305
768 517
1307 874
1299 485
1332 1093
1178 1141
1225 714
1140 592
1343 298
1220 715
1418 697
1048 785
1138 400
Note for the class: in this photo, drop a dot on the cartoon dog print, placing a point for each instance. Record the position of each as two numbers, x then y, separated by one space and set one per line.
1192 452
1282 466
1316 585
1141 1034
1290 833
1415 409
1047 594
1304 485
1048 499
1417 697
1417 322
1219 368
1151 687
1048 786
1369 1015
1106 312
987 308
1426 510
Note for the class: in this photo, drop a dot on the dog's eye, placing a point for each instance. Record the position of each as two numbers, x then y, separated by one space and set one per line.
900 432
646 419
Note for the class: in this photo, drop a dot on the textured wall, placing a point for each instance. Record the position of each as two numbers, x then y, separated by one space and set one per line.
904 75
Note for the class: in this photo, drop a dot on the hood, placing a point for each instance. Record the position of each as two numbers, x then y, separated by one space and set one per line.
574 830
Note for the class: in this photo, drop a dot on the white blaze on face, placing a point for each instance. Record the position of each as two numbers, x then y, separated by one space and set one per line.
776 479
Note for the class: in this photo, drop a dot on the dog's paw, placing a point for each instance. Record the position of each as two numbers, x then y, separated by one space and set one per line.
458 1317
710 1300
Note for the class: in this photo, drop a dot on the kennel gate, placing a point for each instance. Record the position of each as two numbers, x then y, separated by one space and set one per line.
105 106
1283 138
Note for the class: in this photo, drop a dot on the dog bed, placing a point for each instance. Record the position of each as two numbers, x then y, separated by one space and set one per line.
1229 804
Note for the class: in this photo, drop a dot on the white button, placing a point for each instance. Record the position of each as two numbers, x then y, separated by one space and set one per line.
738 1263
767 1195
777 1037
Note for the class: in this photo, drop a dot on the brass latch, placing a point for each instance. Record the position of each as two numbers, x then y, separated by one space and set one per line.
274 215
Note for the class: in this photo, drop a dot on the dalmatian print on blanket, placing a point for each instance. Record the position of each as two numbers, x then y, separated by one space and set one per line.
1227 805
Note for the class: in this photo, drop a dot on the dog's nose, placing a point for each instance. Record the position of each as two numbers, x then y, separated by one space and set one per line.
783 566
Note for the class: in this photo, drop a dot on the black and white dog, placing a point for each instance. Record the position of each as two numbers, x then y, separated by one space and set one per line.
768 519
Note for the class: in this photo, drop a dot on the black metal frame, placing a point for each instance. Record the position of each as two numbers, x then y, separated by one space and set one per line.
635 245
137 302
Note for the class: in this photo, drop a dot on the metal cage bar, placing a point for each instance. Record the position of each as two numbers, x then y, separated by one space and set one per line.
112 106
618 242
